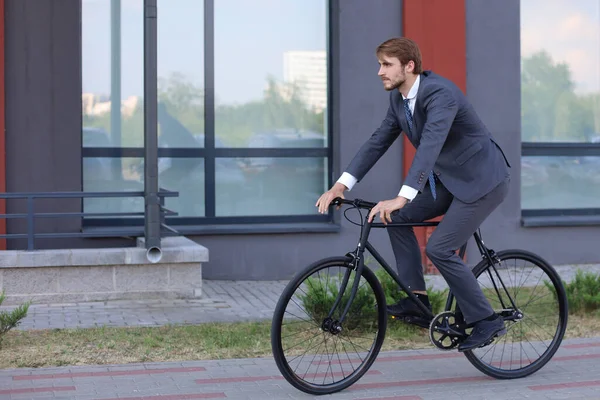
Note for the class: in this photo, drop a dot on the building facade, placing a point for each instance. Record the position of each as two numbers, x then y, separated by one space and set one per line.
262 104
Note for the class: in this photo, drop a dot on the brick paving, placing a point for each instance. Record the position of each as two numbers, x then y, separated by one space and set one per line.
223 301
573 373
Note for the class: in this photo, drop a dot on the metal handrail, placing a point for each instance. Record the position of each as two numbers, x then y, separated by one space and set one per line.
31 215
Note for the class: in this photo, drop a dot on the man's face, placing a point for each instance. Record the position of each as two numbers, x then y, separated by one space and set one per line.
392 73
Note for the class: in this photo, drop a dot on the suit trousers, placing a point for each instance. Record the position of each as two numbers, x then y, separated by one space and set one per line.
460 221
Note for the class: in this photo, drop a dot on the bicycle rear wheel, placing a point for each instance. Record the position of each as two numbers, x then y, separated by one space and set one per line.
312 351
535 328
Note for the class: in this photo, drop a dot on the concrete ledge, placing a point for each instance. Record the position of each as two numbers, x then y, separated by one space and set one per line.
74 275
175 250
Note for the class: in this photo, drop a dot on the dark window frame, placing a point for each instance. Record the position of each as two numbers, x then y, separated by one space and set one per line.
236 224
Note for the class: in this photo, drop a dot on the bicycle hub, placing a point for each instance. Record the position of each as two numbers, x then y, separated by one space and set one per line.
331 326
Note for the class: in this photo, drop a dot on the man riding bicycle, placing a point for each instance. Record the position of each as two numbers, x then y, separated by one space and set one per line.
458 171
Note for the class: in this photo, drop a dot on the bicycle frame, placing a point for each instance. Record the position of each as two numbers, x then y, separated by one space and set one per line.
358 263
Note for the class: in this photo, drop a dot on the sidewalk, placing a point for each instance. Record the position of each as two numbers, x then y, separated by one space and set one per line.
223 301
573 373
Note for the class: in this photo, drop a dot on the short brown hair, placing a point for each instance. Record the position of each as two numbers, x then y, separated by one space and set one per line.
404 50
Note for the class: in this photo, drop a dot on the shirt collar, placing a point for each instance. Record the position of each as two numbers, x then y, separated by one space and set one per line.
412 93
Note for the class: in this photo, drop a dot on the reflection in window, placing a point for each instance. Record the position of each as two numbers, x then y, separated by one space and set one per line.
560 182
560 71
180 73
101 175
186 176
112 65
269 186
270 72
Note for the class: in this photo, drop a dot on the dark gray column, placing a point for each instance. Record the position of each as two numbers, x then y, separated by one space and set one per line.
43 107
152 211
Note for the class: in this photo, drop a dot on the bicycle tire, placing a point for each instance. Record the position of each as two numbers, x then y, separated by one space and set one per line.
278 318
561 300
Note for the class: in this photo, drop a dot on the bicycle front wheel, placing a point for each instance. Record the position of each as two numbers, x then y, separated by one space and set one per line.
535 319
314 351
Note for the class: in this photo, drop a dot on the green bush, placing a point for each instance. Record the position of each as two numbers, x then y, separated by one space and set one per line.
320 294
12 319
583 292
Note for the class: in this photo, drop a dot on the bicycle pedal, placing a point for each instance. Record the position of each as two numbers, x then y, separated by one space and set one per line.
496 336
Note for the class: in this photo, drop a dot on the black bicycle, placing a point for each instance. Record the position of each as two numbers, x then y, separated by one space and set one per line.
330 321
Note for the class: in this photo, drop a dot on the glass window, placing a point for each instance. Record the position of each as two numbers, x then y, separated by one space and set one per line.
181 73
112 68
270 153
560 102
269 186
271 73
99 176
112 60
560 182
560 75
186 176
112 101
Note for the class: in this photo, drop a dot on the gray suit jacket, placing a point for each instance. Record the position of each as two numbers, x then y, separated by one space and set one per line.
449 137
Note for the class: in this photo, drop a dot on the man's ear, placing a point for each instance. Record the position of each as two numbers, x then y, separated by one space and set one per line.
410 66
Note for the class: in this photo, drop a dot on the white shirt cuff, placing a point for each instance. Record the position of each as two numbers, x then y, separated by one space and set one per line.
347 180
408 192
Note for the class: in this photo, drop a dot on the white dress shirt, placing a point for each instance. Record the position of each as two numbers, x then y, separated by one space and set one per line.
405 191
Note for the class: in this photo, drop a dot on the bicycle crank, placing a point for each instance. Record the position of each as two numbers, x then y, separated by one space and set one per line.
446 331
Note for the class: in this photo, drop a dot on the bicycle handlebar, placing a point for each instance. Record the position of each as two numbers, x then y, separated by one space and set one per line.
367 205
356 203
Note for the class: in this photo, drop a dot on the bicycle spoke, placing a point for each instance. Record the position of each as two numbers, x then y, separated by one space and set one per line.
525 320
533 287
354 345
312 322
292 335
339 361
291 347
312 361
347 355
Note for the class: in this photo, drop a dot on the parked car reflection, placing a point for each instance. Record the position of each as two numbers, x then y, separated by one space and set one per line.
560 182
285 185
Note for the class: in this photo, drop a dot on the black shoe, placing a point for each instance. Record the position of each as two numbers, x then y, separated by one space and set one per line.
406 308
484 332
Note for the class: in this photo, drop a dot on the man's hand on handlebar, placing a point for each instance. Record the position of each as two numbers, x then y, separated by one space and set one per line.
386 208
326 198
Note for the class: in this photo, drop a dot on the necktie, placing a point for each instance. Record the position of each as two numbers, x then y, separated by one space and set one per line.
410 127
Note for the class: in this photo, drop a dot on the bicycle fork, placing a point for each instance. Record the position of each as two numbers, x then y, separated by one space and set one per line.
358 262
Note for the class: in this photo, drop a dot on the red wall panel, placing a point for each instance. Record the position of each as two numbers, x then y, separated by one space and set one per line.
439 28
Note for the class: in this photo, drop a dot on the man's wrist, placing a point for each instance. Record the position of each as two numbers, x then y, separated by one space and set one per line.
408 192
347 180
339 187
